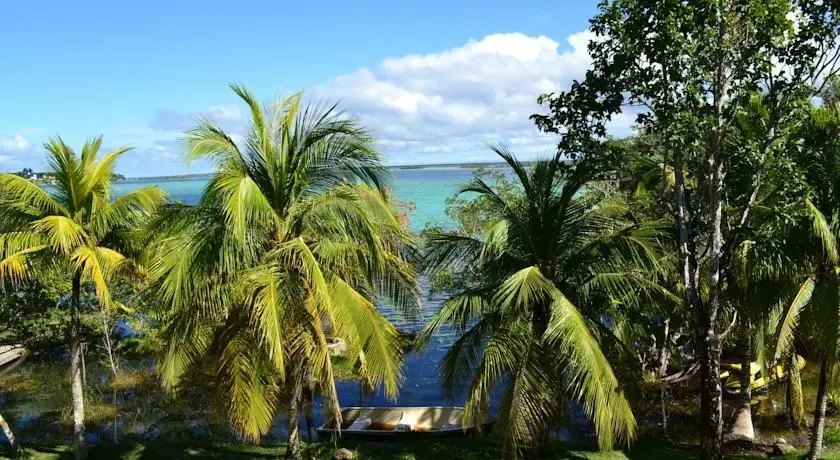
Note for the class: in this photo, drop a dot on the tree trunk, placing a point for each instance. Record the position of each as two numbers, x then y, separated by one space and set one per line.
743 428
293 450
79 448
705 336
112 361
663 371
711 399
711 396
7 430
795 406
819 416
308 411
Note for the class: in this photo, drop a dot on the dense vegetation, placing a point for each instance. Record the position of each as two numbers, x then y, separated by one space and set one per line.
709 236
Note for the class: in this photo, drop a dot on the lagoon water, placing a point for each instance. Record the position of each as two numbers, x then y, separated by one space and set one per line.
427 189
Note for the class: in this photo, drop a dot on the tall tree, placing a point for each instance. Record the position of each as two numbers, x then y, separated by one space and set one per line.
74 224
530 314
293 240
687 68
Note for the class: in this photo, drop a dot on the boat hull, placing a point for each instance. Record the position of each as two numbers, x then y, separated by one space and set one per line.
392 436
417 423
11 356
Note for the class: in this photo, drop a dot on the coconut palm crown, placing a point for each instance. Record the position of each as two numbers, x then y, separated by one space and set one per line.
293 240
76 226
531 319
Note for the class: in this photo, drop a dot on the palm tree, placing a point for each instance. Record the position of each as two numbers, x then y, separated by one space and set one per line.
292 241
74 224
817 300
537 304
766 269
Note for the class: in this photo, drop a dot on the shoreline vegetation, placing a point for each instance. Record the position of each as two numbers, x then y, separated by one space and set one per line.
672 293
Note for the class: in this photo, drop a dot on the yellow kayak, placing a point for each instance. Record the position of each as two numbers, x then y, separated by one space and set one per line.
732 382
728 368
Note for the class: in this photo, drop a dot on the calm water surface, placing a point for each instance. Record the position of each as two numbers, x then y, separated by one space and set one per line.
427 189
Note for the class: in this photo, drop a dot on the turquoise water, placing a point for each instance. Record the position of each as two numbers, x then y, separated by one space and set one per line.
427 188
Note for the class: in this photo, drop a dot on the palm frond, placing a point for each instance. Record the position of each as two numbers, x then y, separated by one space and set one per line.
822 230
20 190
97 265
592 378
790 317
62 233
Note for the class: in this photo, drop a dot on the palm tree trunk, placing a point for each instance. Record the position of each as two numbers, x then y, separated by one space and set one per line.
77 392
795 406
663 371
743 428
7 430
308 411
819 416
293 450
112 361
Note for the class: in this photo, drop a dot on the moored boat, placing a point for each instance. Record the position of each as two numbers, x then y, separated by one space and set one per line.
336 346
399 422
11 356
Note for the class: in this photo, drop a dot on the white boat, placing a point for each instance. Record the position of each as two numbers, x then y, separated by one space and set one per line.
336 346
11 356
399 422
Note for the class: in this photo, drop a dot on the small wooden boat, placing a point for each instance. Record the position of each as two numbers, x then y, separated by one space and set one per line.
11 356
336 346
407 335
408 339
388 423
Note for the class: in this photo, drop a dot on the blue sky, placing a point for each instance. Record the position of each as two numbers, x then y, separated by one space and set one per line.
435 80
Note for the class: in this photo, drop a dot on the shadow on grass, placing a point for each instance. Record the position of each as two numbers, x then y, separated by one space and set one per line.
450 449
489 448
146 450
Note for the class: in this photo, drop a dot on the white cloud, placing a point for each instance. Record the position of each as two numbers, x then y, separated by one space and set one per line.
431 108
21 149
168 120
444 106
224 112
15 143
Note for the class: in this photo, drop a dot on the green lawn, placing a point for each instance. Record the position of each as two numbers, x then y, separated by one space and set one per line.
459 449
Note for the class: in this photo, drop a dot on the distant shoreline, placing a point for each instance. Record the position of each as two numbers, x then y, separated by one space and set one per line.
398 167
173 177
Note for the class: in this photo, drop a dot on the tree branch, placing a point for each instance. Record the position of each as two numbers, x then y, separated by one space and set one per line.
721 337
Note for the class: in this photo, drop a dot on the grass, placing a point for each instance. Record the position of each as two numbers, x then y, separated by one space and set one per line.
46 392
461 449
